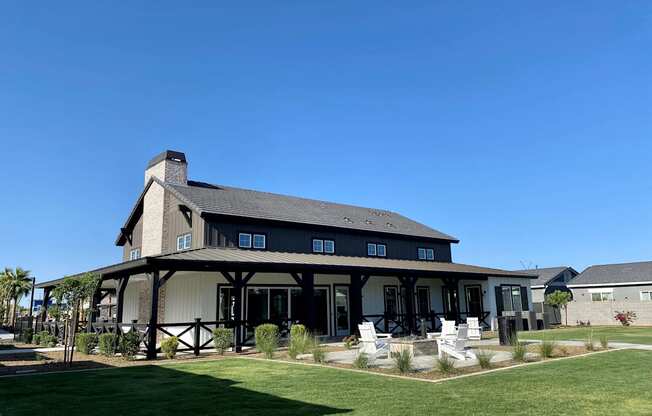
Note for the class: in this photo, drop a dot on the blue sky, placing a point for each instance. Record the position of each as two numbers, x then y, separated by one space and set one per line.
522 128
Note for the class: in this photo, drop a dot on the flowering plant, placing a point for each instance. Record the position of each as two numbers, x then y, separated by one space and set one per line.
625 317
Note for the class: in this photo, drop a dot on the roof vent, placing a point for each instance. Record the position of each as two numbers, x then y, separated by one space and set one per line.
368 222
389 225
379 213
348 220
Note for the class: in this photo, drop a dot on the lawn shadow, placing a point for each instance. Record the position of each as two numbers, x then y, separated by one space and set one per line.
145 390
32 362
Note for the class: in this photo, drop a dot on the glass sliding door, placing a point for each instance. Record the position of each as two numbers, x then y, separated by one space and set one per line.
227 304
257 306
342 311
279 306
474 301
321 311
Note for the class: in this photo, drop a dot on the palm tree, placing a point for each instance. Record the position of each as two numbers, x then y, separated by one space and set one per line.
18 283
4 297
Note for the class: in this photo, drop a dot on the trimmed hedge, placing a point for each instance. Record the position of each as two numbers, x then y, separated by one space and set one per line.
267 339
86 342
130 344
169 347
222 339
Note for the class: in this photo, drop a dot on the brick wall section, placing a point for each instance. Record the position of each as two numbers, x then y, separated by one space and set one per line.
602 313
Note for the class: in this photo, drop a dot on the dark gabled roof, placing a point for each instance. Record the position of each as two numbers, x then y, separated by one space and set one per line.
225 200
546 274
614 274
232 257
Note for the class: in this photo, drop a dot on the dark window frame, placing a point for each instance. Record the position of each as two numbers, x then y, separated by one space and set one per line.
398 300
417 303
133 250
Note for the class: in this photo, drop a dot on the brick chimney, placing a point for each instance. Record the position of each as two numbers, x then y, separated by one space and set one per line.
169 166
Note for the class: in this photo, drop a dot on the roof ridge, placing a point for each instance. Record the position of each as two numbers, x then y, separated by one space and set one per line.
618 264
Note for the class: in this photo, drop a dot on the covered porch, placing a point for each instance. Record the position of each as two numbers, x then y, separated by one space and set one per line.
187 294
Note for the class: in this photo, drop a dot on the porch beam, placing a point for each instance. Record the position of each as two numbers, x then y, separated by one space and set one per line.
297 278
247 278
153 316
166 277
228 277
92 317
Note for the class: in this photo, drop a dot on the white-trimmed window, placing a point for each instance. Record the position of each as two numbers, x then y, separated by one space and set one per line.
256 241
602 295
260 241
134 254
426 253
329 246
646 295
376 250
184 241
244 240
323 246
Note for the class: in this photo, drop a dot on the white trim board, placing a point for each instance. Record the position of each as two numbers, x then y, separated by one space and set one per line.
609 284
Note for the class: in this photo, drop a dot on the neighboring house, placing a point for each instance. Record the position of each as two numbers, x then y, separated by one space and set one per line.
237 258
600 291
550 280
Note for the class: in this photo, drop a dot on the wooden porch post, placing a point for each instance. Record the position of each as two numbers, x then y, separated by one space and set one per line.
46 300
92 317
120 298
408 283
355 302
308 295
237 311
153 317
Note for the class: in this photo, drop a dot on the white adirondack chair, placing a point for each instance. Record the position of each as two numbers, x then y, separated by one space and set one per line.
456 347
448 330
369 340
475 331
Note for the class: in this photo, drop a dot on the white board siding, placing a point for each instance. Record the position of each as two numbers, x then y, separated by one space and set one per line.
130 305
188 296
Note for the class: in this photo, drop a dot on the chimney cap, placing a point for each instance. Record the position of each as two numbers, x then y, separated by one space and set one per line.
167 155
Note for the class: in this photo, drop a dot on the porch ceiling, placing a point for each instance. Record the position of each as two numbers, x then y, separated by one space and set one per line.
269 261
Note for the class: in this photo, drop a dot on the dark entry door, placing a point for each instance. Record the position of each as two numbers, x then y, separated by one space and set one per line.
474 301
321 311
451 307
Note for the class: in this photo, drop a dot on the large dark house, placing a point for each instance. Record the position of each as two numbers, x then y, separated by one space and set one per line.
237 258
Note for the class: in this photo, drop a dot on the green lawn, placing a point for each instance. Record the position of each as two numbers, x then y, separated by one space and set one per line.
634 335
615 383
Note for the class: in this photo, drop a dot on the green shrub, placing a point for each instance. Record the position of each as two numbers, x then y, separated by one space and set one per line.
267 339
27 335
44 338
484 358
130 344
519 352
85 342
49 341
222 339
604 342
361 361
300 341
403 361
108 344
36 339
446 364
318 353
547 349
169 347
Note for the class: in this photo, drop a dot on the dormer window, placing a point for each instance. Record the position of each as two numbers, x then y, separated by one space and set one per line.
184 241
323 246
255 241
376 250
134 254
426 254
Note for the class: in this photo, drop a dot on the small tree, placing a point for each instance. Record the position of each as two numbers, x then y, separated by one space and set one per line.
71 293
560 300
